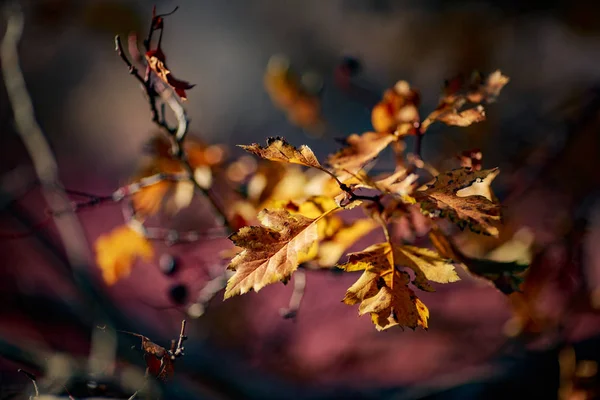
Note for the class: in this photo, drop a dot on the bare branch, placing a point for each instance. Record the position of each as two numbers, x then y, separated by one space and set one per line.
297 295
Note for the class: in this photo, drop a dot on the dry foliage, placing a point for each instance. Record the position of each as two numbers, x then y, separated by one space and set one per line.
297 200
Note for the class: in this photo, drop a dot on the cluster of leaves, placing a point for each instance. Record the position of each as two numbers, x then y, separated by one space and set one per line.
297 201
292 231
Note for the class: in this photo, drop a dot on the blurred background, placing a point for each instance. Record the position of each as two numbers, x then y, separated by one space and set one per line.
543 133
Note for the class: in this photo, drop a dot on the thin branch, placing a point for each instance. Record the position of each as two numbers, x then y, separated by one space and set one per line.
33 380
297 295
154 87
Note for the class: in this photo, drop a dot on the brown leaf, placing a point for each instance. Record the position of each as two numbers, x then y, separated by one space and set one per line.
271 252
279 150
382 290
462 118
360 150
398 111
477 212
401 182
156 60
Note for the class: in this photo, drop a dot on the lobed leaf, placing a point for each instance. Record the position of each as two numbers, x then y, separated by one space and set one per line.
271 252
476 211
279 150
360 150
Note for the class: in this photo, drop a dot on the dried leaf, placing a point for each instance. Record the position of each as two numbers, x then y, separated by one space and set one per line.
427 264
477 212
398 111
457 94
383 290
401 182
156 60
360 150
117 251
462 118
279 150
271 252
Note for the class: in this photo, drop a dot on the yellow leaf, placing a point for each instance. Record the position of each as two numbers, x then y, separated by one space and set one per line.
332 249
382 290
117 250
271 251
427 265
279 150
477 212
360 150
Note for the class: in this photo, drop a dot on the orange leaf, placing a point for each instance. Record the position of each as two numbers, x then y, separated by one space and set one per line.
398 111
118 250
360 150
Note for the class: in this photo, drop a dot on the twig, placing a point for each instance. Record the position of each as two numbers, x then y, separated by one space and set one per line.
45 165
179 349
177 135
297 295
33 380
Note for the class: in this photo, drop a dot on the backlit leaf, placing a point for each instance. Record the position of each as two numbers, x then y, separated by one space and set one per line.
476 211
279 150
271 251
382 290
360 150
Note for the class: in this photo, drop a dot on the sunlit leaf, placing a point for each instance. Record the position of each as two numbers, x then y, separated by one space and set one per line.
382 290
360 150
271 251
477 212
278 149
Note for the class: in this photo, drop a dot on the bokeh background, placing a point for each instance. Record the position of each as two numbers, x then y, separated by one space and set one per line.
543 133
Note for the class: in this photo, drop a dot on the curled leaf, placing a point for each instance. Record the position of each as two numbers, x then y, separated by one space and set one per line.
157 62
382 290
462 118
279 150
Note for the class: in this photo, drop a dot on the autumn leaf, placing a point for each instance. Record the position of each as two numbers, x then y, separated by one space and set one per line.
175 195
156 60
383 290
332 248
462 118
288 92
476 211
158 360
117 251
279 150
271 251
398 111
458 93
360 150
401 182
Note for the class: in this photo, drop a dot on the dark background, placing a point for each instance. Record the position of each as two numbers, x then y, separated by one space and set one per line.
543 133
